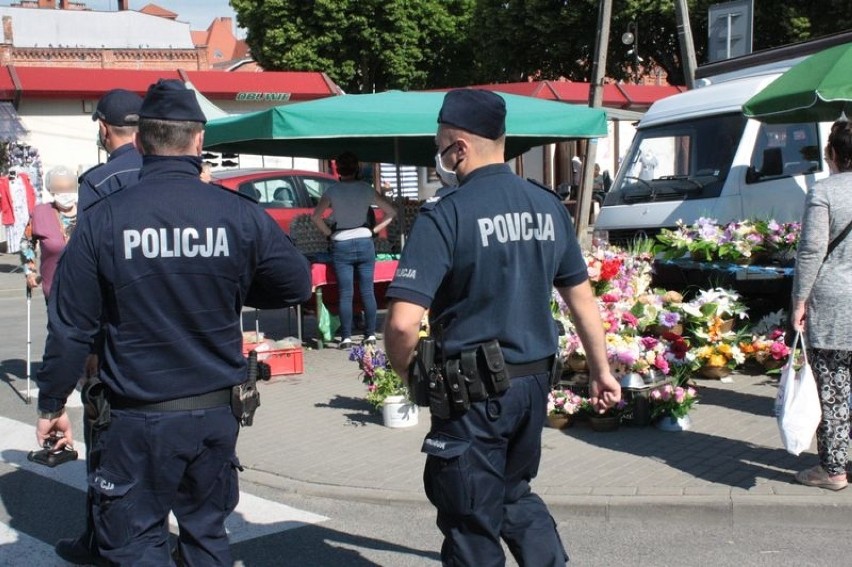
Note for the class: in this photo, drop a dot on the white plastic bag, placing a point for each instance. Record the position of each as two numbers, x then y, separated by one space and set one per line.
797 406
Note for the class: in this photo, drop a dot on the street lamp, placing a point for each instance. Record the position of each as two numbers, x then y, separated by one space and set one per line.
631 37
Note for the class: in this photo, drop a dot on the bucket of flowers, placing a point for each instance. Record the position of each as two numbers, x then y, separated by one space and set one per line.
562 406
670 407
385 389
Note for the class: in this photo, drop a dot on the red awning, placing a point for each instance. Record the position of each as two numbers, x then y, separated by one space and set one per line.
278 86
65 82
630 97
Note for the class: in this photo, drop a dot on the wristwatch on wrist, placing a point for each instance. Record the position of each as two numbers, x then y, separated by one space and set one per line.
50 414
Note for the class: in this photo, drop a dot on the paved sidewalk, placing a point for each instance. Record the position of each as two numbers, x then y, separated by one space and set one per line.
314 434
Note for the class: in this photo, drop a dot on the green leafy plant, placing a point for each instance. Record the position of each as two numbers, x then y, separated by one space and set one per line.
380 379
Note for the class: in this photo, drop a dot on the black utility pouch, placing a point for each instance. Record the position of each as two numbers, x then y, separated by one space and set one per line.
439 402
456 387
475 387
497 380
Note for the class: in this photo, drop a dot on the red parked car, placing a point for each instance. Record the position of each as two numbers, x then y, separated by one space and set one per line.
284 193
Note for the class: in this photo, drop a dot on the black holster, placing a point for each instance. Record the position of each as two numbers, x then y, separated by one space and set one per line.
426 380
96 403
245 397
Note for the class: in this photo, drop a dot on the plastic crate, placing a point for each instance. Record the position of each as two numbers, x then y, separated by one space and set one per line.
281 361
284 361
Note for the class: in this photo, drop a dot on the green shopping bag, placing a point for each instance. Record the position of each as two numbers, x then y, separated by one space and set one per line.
326 323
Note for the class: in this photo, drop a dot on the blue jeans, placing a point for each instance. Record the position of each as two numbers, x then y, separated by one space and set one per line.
351 257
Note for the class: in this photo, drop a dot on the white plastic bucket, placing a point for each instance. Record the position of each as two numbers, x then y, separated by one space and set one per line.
398 412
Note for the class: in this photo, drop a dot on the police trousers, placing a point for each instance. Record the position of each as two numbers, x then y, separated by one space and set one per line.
150 463
478 469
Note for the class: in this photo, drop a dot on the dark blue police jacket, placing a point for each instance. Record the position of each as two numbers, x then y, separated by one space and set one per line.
167 264
120 170
484 258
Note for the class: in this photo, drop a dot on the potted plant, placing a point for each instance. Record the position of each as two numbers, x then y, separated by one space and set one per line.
608 420
385 389
781 240
562 405
717 360
769 350
670 407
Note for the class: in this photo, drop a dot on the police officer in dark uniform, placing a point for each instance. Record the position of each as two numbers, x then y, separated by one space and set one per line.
484 258
117 114
167 264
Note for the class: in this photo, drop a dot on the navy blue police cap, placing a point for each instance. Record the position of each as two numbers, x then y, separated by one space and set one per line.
118 107
476 111
169 99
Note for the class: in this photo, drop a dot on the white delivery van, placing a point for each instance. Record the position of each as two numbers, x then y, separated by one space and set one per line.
696 155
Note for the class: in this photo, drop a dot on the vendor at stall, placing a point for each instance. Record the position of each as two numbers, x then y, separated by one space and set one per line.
352 249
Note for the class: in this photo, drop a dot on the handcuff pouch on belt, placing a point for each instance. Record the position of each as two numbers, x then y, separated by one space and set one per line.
451 387
245 397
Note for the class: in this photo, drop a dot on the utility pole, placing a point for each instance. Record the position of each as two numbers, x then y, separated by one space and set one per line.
687 46
584 198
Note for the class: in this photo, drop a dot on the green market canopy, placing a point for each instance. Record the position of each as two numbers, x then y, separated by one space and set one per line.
390 127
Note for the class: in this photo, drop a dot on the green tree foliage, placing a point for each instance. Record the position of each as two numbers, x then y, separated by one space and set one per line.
364 45
367 45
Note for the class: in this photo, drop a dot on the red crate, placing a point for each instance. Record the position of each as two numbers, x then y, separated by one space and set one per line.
284 361
281 361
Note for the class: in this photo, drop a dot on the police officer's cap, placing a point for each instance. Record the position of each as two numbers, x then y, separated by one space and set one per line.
118 107
169 99
477 111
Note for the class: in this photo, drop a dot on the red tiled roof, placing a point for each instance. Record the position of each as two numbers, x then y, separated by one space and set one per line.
199 37
154 10
65 82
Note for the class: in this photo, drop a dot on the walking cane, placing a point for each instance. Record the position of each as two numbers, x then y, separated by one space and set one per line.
29 338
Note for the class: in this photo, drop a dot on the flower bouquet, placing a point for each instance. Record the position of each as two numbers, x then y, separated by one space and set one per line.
674 401
670 406
562 405
717 360
380 379
781 239
769 350
710 315
708 241
631 353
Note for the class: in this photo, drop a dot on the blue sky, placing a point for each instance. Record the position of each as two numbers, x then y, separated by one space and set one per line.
199 13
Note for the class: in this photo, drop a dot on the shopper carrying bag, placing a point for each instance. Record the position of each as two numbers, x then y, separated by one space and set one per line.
822 305
797 405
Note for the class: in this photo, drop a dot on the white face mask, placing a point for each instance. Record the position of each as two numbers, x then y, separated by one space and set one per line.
65 200
448 177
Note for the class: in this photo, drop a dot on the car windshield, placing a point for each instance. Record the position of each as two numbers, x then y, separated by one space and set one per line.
316 186
275 193
684 160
